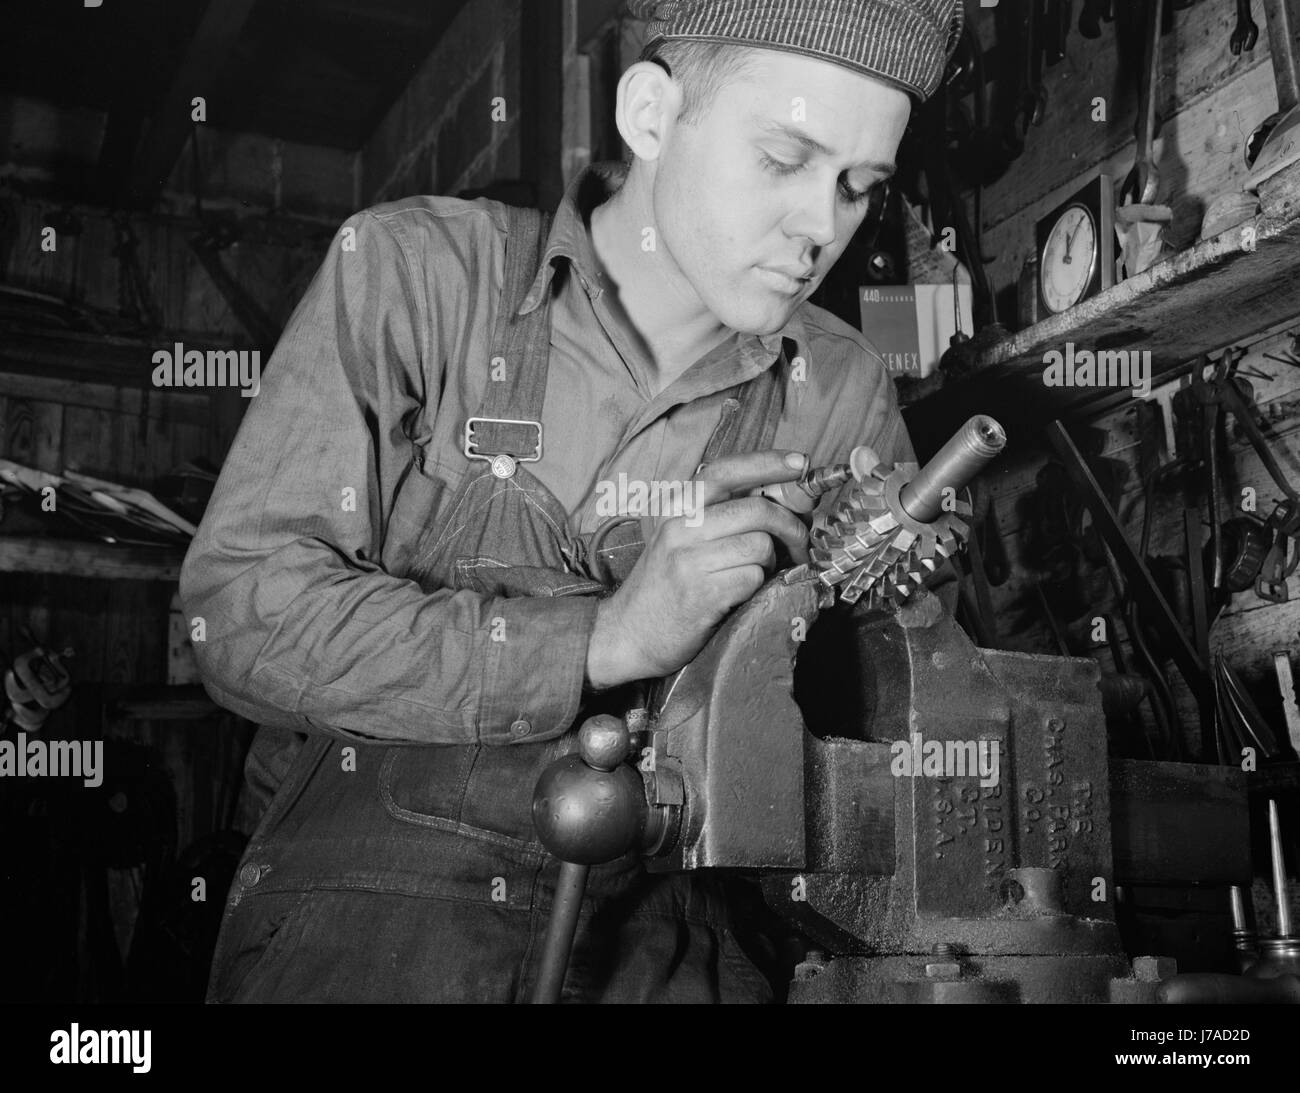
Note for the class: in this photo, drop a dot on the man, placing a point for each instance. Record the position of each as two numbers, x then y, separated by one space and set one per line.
418 616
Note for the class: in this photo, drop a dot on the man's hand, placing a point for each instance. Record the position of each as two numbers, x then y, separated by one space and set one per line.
694 570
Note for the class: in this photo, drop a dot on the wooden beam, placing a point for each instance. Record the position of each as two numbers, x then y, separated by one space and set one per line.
73 558
93 358
197 75
182 407
184 702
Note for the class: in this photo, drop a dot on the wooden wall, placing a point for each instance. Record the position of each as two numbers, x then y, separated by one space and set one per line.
1208 102
96 411
84 269
1250 628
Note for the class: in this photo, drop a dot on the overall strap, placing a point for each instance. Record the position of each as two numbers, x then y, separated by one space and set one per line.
751 412
508 421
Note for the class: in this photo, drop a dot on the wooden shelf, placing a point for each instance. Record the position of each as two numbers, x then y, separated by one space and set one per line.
1214 294
181 702
74 558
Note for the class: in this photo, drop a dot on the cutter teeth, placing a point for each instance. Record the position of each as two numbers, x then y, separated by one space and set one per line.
866 549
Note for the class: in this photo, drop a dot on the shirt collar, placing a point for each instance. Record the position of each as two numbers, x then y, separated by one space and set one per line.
570 237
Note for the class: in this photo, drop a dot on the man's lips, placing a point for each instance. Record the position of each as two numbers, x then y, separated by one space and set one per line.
788 279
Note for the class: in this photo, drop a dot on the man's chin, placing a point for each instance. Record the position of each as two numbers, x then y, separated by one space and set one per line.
761 319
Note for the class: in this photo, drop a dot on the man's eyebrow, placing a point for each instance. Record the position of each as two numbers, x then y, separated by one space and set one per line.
811 144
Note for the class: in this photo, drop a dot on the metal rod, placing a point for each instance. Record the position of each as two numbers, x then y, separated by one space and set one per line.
560 932
967 452
1142 589
1279 871
819 480
1238 907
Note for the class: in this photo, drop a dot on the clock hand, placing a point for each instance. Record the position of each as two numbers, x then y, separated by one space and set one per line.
1069 243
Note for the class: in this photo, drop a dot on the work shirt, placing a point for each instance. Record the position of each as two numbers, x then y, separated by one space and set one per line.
379 367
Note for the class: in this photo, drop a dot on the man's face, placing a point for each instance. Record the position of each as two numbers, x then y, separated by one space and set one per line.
756 202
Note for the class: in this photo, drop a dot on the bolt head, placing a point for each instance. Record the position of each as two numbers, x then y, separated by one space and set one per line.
942 969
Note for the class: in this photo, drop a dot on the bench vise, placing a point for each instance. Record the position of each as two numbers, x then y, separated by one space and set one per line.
938 819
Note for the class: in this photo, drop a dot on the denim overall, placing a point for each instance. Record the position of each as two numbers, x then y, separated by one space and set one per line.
417 876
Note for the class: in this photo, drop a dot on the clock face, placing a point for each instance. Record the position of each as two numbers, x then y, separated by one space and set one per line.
1069 258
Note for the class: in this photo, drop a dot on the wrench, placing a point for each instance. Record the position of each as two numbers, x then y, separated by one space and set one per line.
1033 95
1245 34
1143 181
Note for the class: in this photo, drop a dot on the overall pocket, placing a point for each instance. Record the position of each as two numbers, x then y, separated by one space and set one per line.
257 935
478 792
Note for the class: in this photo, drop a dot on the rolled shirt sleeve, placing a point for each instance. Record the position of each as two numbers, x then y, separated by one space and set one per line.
301 626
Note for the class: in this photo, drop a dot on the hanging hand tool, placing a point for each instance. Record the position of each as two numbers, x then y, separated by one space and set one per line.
1033 95
1133 722
1009 85
1243 724
1164 711
1057 28
1286 684
992 546
1279 562
1235 544
973 582
1272 145
1143 181
1090 18
1217 388
1245 34
36 685
1142 588
1207 386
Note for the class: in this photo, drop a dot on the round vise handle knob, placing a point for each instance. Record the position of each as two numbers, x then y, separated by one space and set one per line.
604 741
590 807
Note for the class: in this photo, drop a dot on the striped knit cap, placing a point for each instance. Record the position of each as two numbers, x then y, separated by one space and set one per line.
906 43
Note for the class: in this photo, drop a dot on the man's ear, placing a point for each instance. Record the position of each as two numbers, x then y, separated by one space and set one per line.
648 104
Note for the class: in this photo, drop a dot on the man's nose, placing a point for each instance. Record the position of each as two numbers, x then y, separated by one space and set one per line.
814 216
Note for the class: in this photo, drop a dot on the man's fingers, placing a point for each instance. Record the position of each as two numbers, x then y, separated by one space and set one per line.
756 514
734 474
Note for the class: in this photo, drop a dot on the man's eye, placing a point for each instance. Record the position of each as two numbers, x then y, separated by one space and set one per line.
854 197
780 167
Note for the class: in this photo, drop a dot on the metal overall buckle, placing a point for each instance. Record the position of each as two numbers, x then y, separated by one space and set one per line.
503 465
